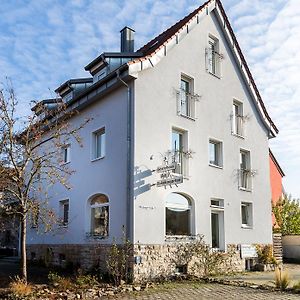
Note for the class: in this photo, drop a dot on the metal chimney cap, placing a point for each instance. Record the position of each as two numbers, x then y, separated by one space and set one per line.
126 27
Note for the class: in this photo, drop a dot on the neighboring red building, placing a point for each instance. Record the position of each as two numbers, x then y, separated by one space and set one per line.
276 175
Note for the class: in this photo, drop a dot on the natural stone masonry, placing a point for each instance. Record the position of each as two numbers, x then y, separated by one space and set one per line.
160 261
149 262
277 246
83 256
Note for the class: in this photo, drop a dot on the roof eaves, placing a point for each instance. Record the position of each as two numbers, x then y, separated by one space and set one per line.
219 3
276 163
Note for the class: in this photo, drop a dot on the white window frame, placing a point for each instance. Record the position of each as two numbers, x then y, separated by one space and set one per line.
186 100
249 206
218 208
179 155
189 207
245 174
62 204
237 121
219 149
66 153
99 132
98 205
213 57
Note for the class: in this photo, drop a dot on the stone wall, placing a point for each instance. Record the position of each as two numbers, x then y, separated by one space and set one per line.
149 262
83 256
155 261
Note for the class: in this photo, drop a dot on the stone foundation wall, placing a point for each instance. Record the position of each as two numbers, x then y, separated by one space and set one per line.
149 262
157 261
83 256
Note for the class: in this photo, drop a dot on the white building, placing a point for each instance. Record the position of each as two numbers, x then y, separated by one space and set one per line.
178 146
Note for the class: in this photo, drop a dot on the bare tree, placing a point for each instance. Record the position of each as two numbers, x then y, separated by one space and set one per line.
31 159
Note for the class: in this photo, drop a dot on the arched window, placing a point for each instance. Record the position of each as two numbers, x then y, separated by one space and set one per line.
178 215
99 215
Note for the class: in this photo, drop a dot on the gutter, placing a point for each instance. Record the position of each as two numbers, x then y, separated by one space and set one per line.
129 208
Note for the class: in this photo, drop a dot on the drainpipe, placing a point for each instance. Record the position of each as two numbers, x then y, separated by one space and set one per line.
129 215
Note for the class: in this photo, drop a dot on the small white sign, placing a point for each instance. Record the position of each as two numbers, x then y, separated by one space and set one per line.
169 181
248 251
166 168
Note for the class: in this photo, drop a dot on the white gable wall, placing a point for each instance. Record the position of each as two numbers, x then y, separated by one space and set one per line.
156 114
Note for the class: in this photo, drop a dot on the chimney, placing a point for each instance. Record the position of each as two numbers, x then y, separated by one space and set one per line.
127 39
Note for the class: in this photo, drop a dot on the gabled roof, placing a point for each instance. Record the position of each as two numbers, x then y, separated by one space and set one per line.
276 163
152 47
158 41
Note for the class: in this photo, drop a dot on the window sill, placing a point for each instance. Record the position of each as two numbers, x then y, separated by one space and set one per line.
238 135
187 117
215 75
65 163
216 166
246 227
91 236
96 159
245 190
63 225
176 238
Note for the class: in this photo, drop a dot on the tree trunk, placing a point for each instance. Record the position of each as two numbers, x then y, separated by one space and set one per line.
23 248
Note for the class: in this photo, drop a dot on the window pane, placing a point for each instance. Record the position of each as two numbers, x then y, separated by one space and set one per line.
176 141
99 199
100 144
212 153
177 222
66 213
99 220
215 230
245 217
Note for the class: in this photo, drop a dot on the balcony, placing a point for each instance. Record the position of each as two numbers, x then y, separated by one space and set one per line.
245 179
186 104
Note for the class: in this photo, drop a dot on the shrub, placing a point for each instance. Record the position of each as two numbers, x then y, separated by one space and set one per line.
86 280
282 279
265 254
118 263
20 288
296 286
61 283
202 258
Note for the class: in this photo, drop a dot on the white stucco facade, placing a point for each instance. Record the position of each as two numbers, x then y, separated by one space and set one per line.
153 116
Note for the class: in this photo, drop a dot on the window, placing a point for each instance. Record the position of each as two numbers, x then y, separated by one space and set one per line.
237 118
99 144
66 151
64 212
99 216
215 153
178 155
186 100
245 181
246 212
213 57
178 215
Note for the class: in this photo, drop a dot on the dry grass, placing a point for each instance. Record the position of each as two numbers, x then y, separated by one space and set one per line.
282 279
20 288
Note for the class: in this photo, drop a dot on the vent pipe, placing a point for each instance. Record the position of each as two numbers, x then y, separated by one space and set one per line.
127 39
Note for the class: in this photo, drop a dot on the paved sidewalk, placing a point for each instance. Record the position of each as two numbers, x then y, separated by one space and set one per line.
207 291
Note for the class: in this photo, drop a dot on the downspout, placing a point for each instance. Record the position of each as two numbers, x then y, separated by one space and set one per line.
129 215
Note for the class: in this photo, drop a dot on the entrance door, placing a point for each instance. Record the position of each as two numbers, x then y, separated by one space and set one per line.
217 230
